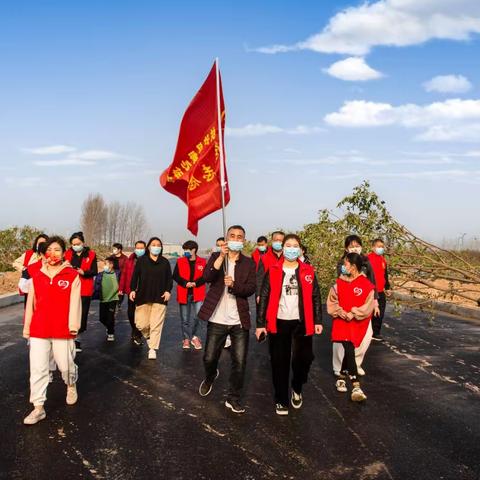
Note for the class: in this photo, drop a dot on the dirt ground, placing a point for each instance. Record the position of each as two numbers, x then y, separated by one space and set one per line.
9 282
421 291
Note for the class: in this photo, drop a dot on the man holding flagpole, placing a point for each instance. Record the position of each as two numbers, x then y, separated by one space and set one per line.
232 280
198 176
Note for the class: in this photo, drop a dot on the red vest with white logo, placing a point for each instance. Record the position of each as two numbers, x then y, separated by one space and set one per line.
199 293
379 266
351 294
307 275
87 283
51 305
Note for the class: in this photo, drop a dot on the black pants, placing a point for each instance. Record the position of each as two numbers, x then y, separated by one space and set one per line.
85 308
216 336
289 348
107 315
377 321
120 299
131 318
349 365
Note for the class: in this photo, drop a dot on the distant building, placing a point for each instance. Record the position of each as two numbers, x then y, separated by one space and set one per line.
172 249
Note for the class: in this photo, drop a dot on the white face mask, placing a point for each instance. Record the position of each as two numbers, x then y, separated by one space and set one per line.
355 250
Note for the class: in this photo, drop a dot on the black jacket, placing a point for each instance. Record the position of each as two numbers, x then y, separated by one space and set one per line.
243 287
151 279
265 297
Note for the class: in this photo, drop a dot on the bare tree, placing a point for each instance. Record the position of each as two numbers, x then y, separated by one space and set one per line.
113 224
93 219
104 223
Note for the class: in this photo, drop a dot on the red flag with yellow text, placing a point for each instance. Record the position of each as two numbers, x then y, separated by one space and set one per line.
194 174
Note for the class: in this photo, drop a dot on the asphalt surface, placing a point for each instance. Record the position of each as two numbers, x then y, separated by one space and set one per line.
139 419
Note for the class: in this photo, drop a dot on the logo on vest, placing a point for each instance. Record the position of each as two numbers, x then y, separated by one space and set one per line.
200 267
63 284
357 291
308 278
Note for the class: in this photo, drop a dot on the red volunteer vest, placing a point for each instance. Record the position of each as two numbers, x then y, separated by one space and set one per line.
28 255
270 259
87 283
184 271
351 294
52 304
379 265
307 275
257 256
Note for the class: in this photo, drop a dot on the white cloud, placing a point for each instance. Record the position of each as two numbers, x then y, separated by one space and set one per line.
50 150
23 182
66 162
452 120
448 133
360 113
353 69
96 155
448 84
259 129
399 23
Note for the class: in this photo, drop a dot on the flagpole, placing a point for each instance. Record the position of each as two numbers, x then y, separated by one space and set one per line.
222 158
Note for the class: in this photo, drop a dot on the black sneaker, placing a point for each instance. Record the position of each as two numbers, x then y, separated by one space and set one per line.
281 409
377 337
297 399
234 406
137 340
78 348
206 387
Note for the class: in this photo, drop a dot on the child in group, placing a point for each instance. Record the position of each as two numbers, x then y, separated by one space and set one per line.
380 270
106 290
351 304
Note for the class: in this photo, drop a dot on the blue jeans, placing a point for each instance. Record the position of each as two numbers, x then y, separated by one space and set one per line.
185 314
216 336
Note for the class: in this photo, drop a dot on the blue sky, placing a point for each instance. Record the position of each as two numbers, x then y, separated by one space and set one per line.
319 96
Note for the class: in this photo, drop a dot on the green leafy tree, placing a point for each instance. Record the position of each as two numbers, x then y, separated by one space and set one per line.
13 242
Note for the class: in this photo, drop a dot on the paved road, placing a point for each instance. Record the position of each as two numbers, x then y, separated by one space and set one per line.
137 419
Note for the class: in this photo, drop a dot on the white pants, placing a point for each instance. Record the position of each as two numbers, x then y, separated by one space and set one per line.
339 351
41 349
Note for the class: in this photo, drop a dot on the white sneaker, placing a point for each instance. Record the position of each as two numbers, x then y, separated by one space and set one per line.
341 385
358 395
360 371
35 416
296 400
72 395
152 354
228 342
110 337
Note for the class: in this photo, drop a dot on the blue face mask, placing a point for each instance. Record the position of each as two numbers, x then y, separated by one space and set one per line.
344 270
291 253
262 248
139 252
187 254
379 251
216 249
106 269
277 246
155 250
235 246
77 248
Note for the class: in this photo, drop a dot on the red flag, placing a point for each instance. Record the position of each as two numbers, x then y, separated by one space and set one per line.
194 175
